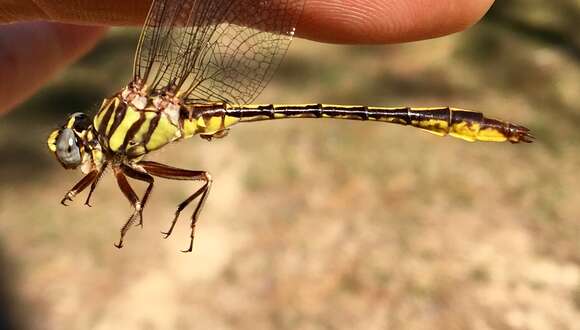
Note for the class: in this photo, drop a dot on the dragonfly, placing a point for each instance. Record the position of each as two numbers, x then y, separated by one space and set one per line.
198 67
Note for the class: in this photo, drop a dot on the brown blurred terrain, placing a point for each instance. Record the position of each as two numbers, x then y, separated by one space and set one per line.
319 224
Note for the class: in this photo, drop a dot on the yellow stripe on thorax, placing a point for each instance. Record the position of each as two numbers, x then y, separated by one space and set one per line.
131 116
164 133
98 120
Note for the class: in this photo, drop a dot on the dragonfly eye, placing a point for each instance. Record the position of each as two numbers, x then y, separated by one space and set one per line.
79 122
67 150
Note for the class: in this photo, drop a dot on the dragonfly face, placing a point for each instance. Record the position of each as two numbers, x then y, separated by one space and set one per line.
69 143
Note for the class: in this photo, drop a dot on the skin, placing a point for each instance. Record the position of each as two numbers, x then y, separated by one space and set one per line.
64 30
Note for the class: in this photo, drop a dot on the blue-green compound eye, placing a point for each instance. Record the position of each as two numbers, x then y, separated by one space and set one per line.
67 150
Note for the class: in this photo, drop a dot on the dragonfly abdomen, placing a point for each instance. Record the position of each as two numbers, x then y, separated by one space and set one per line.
459 123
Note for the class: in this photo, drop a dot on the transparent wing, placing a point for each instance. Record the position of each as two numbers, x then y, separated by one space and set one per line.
220 50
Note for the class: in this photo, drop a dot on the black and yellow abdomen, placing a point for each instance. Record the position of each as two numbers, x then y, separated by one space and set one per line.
463 124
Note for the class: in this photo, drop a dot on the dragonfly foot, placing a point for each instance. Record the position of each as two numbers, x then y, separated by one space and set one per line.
67 198
190 241
189 249
140 223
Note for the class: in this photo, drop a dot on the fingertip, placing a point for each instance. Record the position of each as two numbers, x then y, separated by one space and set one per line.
446 17
382 21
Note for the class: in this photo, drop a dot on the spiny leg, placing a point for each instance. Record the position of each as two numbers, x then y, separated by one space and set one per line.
133 199
203 191
94 185
168 172
141 176
80 186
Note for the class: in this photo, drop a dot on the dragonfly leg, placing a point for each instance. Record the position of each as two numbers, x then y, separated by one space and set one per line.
133 199
168 172
93 186
140 176
80 186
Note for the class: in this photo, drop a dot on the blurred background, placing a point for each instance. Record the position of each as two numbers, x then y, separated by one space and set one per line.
319 224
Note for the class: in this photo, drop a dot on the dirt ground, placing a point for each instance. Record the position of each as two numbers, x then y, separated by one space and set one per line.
317 224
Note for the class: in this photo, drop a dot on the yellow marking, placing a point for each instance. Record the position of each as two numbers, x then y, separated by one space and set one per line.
465 131
229 121
189 128
96 153
439 127
137 147
99 117
402 108
338 106
200 122
116 102
145 127
90 135
51 141
116 140
70 122
97 156
353 117
213 124
206 125
421 108
463 137
164 133
278 106
491 134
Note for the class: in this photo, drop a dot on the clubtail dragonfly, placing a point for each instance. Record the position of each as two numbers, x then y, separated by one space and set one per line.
198 66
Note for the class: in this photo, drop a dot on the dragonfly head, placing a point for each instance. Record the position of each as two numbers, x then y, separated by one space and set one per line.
68 143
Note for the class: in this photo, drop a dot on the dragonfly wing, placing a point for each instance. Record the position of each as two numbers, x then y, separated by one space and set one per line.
220 50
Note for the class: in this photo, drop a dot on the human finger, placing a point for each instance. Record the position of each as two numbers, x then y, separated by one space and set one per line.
344 21
31 53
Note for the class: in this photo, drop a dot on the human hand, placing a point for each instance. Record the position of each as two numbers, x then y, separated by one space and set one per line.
32 52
